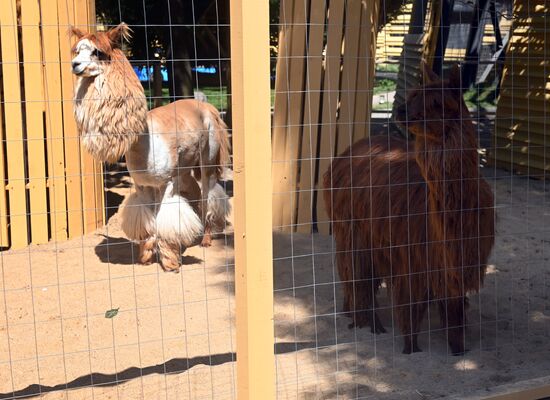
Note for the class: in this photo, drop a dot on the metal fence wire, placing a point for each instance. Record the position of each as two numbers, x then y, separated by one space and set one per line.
284 199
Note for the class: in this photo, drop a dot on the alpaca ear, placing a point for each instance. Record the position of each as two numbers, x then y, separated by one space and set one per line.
428 74
119 34
74 31
455 77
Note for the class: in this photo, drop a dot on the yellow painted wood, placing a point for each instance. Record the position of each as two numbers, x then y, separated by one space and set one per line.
314 69
330 103
13 124
54 123
350 65
34 117
521 130
294 129
390 40
280 110
371 23
73 170
537 392
252 171
92 177
361 116
4 238
430 41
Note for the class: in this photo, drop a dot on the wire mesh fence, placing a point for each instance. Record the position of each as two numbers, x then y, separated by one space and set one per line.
406 251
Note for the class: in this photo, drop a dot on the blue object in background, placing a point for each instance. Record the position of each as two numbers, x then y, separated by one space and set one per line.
201 69
143 76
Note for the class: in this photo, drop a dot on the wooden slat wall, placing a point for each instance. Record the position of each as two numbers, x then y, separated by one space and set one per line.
521 136
390 39
322 101
53 190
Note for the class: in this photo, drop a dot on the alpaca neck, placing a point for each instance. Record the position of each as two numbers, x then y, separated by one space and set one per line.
451 172
111 110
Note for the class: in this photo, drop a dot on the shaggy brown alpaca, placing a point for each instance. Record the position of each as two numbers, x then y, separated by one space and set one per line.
174 154
416 215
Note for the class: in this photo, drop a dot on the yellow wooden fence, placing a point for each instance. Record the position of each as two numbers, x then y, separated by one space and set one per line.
521 136
390 40
323 99
52 189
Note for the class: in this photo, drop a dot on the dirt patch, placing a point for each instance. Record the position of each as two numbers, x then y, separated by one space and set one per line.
174 334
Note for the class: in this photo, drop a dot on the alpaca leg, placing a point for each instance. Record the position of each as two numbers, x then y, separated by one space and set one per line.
169 255
147 249
365 288
344 263
137 214
217 210
409 311
410 337
452 316
205 188
177 225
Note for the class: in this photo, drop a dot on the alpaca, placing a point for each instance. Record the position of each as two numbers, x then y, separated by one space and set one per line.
175 153
416 215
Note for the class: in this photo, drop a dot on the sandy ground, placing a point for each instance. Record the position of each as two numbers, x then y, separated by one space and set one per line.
174 335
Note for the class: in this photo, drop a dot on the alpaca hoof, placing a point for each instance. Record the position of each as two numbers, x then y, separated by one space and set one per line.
170 267
377 328
458 351
415 349
206 241
146 257
146 251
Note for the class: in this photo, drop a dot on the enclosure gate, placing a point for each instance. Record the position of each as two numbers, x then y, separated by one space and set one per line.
52 189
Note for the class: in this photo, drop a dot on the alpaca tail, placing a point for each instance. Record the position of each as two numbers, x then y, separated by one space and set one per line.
218 129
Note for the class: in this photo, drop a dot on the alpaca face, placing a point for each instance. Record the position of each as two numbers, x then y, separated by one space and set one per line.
94 50
88 60
431 106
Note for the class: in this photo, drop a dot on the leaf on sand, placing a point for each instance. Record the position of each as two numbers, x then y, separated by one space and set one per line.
111 313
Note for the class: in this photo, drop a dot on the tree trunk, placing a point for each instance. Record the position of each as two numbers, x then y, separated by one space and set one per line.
157 85
180 74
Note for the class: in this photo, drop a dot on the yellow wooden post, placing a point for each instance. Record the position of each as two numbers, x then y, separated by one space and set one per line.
73 171
34 111
13 124
54 121
253 208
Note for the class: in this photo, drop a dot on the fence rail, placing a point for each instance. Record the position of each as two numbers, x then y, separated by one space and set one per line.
52 190
323 99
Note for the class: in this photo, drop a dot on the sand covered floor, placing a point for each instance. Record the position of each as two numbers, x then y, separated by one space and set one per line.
174 335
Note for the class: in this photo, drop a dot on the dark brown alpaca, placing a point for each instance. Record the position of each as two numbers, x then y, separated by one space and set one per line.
416 215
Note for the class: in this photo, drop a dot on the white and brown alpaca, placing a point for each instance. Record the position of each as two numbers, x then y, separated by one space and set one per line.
175 153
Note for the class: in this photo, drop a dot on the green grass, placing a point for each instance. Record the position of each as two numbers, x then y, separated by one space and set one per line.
384 86
217 96
482 97
388 67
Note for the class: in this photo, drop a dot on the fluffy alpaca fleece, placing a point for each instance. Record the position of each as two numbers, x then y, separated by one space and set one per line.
218 207
417 215
116 99
176 221
138 214
168 150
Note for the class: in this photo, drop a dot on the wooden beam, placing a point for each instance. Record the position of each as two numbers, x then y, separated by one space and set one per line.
253 197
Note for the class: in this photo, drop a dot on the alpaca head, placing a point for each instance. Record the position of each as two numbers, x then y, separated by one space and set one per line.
94 50
431 106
